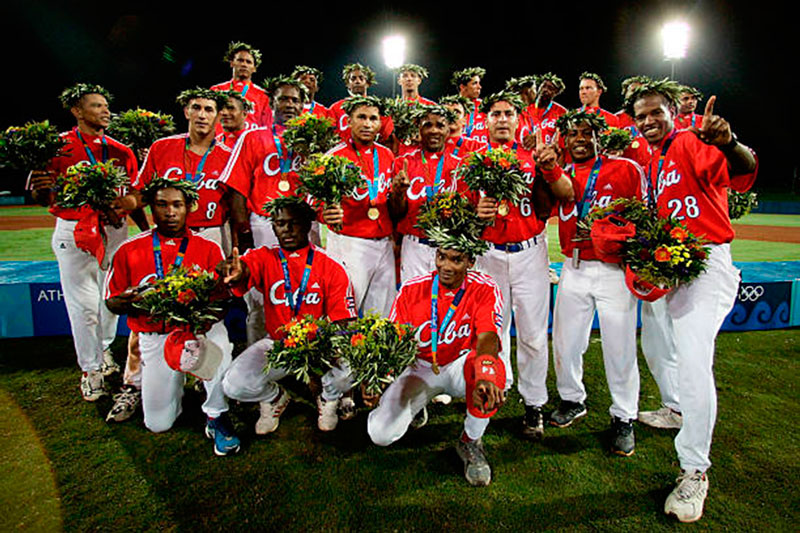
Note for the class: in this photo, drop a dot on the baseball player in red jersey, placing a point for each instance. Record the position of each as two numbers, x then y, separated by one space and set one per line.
457 314
590 90
456 143
232 119
544 112
409 78
688 179
197 157
297 279
364 244
426 171
588 284
686 117
468 82
358 79
624 120
138 262
244 60
93 326
525 86
311 77
517 259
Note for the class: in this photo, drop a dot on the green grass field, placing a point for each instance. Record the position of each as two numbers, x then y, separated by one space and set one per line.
121 477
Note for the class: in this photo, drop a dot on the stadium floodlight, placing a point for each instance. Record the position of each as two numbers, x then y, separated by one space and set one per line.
394 51
675 37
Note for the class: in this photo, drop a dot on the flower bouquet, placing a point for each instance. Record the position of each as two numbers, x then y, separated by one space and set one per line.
306 349
30 147
405 114
94 185
450 220
139 128
615 140
309 134
741 203
329 178
497 172
182 299
377 350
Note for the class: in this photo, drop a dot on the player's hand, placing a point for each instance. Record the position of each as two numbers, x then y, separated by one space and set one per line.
333 215
128 202
113 215
487 396
529 142
400 181
142 153
546 154
715 130
42 179
487 208
230 270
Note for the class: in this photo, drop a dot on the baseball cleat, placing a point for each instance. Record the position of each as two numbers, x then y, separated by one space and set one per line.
220 431
93 386
347 408
109 366
664 418
686 501
623 443
125 403
567 413
533 423
476 467
328 419
271 413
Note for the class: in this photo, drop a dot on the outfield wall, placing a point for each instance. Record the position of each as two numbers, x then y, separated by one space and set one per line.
32 305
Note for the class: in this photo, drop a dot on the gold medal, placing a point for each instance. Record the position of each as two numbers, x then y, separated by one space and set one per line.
283 185
502 209
635 144
373 213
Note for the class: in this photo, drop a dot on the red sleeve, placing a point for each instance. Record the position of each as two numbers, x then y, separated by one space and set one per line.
254 260
131 167
743 182
400 313
387 128
709 164
148 168
489 310
238 173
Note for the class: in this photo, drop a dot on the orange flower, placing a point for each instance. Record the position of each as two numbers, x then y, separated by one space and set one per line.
662 255
312 331
400 331
357 339
319 171
290 342
185 297
503 162
679 234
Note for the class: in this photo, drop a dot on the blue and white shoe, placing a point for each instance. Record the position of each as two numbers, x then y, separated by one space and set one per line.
220 431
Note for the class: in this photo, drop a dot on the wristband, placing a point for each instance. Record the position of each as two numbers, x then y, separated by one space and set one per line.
552 176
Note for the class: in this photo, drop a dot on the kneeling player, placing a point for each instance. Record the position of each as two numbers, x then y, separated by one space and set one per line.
458 315
142 259
296 279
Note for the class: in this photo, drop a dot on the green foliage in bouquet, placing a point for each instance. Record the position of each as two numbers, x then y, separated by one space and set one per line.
182 298
741 203
405 114
377 350
615 139
450 221
30 147
93 185
329 178
139 128
309 134
497 172
306 349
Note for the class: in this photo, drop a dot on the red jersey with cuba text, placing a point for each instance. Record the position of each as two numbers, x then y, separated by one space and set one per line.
422 178
261 114
545 118
693 185
74 153
475 123
356 208
328 292
254 169
170 158
617 178
134 264
521 223
342 122
480 311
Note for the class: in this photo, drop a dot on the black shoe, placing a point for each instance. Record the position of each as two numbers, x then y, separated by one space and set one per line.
533 423
567 413
623 443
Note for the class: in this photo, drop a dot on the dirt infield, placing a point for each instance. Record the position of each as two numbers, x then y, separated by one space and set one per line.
744 232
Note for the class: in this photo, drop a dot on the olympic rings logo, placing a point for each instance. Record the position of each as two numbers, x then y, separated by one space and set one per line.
750 293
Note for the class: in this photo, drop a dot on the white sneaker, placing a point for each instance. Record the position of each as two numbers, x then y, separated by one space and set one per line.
686 500
125 404
664 418
93 386
271 413
328 419
443 399
347 408
109 366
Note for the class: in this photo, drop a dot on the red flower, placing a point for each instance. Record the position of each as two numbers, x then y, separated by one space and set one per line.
185 297
290 342
644 255
662 255
667 226
312 331
447 213
357 339
700 254
679 234
487 161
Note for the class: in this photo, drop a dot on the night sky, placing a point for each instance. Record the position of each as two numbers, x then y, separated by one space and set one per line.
146 56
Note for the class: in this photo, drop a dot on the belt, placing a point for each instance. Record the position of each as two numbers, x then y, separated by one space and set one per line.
421 240
513 247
